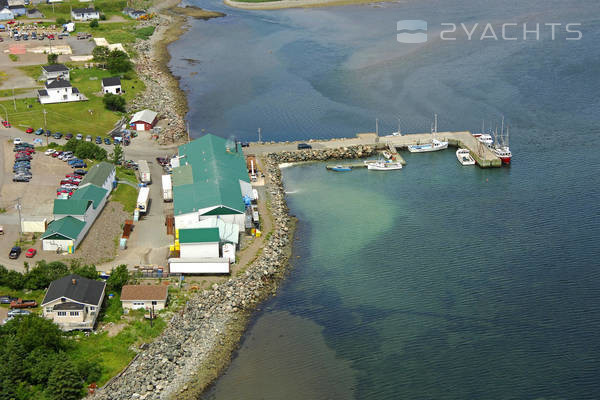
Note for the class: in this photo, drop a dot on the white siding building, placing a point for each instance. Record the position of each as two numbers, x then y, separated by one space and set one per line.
111 85
59 91
55 71
84 14
147 297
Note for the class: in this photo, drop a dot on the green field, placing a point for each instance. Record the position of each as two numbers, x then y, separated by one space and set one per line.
85 117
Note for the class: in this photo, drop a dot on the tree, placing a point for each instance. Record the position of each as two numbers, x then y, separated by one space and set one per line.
117 155
64 382
114 102
118 61
60 21
100 53
94 23
86 271
52 58
90 151
71 145
118 278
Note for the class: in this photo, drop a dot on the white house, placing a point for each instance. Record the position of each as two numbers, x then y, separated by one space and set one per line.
73 302
111 85
147 297
59 91
55 71
84 14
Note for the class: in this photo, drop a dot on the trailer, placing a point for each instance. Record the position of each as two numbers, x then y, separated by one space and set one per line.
167 188
144 171
142 200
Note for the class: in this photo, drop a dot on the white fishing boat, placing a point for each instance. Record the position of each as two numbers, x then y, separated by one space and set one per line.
435 144
464 157
500 147
383 165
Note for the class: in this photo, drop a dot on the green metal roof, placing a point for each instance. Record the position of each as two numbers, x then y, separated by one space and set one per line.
67 227
199 235
98 174
215 175
70 207
90 193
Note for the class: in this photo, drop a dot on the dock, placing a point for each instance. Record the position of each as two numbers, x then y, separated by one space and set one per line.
351 166
484 157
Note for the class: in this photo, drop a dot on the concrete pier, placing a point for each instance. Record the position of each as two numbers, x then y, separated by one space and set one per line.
484 157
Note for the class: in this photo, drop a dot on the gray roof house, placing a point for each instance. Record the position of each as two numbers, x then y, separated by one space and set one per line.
73 302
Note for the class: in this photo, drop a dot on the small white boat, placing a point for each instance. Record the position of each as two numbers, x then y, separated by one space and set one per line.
387 154
484 138
383 165
464 157
435 145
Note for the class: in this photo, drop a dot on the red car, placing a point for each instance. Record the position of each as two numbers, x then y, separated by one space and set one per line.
74 176
6 124
29 130
56 154
51 37
30 253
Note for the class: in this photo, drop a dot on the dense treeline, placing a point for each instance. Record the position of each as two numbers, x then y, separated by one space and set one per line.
34 362
40 276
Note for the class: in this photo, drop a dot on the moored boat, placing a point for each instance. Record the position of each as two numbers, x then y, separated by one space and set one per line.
383 165
464 157
435 145
340 168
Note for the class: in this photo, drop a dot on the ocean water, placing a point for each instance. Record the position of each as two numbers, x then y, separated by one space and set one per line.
437 281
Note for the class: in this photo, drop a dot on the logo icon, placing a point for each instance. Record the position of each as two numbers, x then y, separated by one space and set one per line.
411 31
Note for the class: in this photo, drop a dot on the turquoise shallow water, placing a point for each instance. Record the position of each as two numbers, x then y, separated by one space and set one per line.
437 281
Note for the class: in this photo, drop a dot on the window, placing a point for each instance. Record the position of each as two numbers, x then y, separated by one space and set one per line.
92 308
154 302
138 303
74 313
62 313
48 309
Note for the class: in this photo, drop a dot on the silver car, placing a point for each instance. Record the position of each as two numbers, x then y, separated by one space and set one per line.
17 311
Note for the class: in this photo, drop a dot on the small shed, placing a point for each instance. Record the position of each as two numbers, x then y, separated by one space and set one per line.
134 297
199 243
34 225
143 120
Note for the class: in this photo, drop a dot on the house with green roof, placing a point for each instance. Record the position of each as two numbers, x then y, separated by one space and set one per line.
210 181
74 217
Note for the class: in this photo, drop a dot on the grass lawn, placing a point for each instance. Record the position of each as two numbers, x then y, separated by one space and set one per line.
127 196
85 117
125 174
113 353
106 7
114 32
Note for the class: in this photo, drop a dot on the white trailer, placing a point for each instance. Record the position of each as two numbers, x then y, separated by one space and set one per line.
144 171
142 200
167 188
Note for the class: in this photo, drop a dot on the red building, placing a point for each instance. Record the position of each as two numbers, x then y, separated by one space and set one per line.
143 120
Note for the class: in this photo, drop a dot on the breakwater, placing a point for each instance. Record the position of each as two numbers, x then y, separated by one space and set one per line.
198 342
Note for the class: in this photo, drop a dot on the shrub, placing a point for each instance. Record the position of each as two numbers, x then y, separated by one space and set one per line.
114 102
94 23
52 58
60 21
102 17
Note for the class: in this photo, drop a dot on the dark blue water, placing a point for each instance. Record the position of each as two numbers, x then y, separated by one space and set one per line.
437 281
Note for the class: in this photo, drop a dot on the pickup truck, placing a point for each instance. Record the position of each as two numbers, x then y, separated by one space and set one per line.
20 303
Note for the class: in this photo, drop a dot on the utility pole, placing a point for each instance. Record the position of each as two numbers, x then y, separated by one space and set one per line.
45 112
18 206
259 137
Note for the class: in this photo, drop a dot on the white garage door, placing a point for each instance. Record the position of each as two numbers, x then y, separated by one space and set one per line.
140 127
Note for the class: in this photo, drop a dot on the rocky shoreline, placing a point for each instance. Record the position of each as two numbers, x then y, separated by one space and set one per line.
198 342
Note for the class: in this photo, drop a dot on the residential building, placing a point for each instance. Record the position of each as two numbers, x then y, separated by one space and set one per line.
111 85
74 217
59 91
55 71
84 14
133 13
147 297
143 120
18 10
34 13
73 302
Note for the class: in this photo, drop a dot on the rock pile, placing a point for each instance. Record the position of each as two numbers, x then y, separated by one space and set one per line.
341 153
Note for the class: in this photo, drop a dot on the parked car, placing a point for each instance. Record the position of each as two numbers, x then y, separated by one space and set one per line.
20 178
5 299
107 141
20 303
79 165
68 186
15 252
29 130
17 141
57 135
98 140
48 133
18 312
38 132
80 171
30 253
304 146
74 161
49 152
6 124
69 136
74 176
245 144
79 136
88 138
56 154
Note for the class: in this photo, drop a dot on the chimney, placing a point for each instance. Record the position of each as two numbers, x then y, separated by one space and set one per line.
74 281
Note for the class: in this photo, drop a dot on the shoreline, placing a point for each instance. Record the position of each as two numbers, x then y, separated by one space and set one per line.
286 4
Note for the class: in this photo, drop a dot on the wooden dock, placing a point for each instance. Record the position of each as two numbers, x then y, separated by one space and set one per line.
351 166
484 157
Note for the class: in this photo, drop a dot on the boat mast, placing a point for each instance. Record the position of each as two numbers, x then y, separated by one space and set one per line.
399 131
482 126
435 123
502 131
506 135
